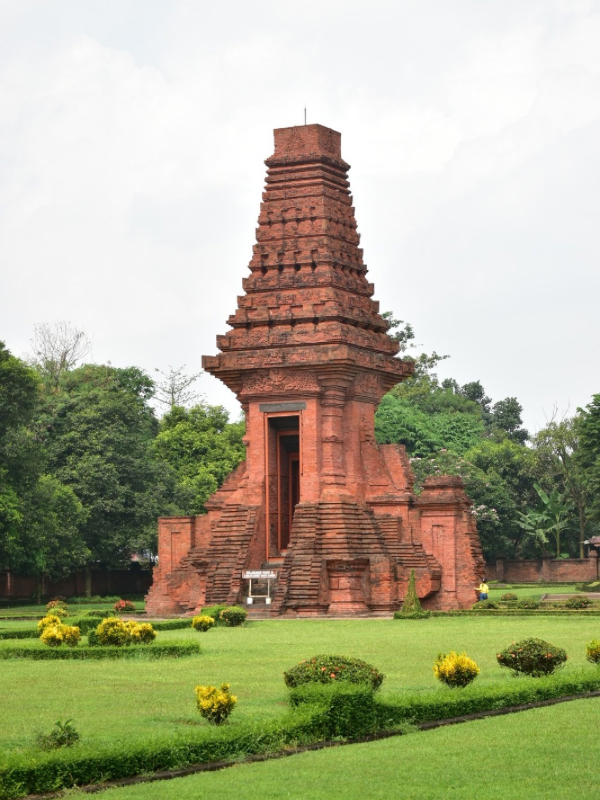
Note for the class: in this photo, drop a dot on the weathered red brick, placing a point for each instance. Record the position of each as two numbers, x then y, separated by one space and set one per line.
307 332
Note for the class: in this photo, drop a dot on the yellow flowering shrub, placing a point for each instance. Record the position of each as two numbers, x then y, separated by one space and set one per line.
203 622
455 670
140 632
113 631
214 704
593 651
48 621
71 635
53 635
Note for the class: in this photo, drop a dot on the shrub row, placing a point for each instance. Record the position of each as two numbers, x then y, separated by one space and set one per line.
516 612
85 625
172 650
320 712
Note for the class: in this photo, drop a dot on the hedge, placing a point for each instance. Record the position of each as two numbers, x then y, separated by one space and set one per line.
319 713
85 625
517 612
169 650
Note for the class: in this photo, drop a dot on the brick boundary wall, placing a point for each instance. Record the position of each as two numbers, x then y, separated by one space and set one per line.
104 582
545 570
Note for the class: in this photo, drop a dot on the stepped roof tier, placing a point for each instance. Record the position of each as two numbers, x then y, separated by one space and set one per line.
307 301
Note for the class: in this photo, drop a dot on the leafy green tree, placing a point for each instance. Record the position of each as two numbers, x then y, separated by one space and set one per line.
202 447
98 429
52 544
19 464
550 519
506 417
587 455
557 450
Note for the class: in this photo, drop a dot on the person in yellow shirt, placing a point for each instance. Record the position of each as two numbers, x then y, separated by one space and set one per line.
483 590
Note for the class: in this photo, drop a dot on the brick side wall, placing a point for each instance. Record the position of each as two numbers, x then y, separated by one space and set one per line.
109 582
552 570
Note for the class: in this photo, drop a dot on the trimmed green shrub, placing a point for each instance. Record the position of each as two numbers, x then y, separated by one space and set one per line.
215 705
19 633
214 612
233 616
578 602
63 734
333 669
343 709
456 671
593 652
528 602
339 710
484 604
533 657
508 596
171 624
168 650
202 623
140 632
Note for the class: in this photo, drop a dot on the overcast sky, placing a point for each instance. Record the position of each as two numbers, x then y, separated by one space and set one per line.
132 141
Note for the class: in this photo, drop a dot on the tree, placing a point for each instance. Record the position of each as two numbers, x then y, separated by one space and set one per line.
557 449
174 389
19 463
506 417
98 429
202 447
550 519
57 349
52 544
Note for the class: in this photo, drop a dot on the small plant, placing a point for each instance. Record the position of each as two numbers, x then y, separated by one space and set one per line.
63 734
53 635
71 635
123 607
113 631
55 604
528 602
203 623
533 657
411 607
578 602
508 596
481 605
140 632
234 616
48 621
333 669
93 639
214 704
455 670
593 652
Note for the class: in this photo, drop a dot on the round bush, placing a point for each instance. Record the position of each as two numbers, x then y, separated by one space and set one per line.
528 602
56 603
578 602
214 704
233 616
593 652
50 620
113 631
71 635
455 670
203 623
333 669
53 635
123 607
533 657
509 596
483 604
140 632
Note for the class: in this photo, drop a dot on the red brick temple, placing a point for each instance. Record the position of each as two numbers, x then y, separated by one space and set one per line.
309 358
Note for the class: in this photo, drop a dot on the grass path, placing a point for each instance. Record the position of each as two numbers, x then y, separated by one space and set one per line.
544 754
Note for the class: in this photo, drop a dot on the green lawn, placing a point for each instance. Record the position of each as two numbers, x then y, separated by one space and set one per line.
111 701
532 591
545 754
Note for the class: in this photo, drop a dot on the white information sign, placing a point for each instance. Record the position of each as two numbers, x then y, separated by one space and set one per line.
257 574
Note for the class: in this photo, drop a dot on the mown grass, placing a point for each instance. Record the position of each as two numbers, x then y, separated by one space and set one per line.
532 591
536 755
122 701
